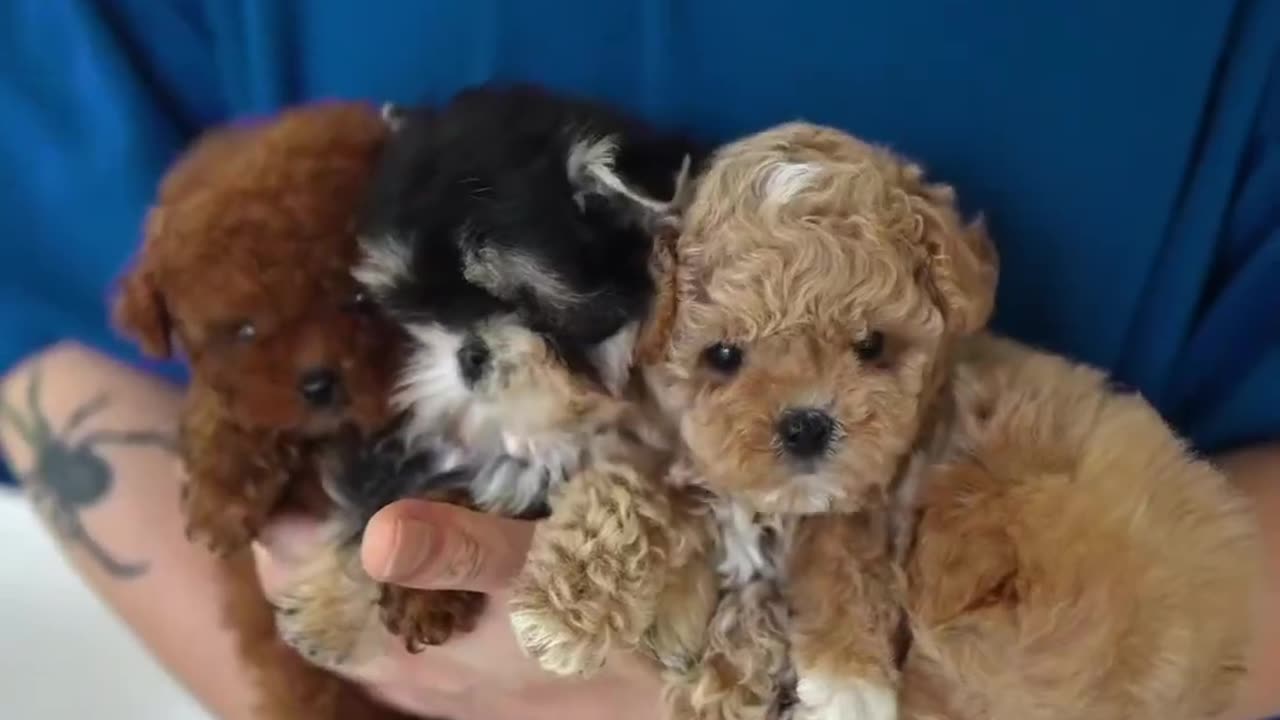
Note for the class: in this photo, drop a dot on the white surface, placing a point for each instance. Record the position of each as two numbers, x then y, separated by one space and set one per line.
63 655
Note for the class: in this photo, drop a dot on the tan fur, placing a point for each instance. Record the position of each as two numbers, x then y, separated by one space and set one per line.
604 537
798 243
867 246
796 283
338 617
1071 558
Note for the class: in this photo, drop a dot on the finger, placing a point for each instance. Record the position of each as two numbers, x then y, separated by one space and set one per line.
280 547
444 547
411 701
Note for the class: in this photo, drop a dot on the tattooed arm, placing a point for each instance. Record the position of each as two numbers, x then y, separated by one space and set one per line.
91 442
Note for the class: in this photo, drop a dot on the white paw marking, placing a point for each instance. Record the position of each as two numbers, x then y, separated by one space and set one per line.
555 648
853 699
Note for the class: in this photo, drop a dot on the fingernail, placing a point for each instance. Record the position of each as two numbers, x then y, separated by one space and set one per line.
410 545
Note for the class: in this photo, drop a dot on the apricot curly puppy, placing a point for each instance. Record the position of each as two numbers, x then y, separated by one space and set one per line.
1072 559
813 313
824 355
823 285
246 271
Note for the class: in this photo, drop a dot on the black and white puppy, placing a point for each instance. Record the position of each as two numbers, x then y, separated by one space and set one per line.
511 233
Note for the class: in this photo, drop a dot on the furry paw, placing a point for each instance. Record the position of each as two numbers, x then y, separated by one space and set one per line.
428 617
851 699
593 573
330 615
564 638
222 524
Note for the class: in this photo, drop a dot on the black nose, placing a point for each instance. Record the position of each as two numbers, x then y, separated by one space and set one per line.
473 360
319 387
805 432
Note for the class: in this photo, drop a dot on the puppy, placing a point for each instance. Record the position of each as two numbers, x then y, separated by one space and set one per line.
245 270
829 375
823 288
510 234
1072 559
813 316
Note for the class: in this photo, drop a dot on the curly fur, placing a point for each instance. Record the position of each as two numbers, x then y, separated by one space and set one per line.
794 248
1072 559
990 533
471 237
245 270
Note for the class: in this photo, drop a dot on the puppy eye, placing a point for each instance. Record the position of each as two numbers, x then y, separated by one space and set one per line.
246 332
723 357
871 347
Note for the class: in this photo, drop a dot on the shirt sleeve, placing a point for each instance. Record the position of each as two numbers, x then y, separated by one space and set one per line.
1227 390
95 100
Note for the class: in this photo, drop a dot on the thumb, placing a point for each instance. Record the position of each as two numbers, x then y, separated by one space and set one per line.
435 546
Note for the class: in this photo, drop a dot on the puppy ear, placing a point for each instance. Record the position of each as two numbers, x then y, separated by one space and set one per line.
655 334
140 310
598 166
141 313
615 357
962 264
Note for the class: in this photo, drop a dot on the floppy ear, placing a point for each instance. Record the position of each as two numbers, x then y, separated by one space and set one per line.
141 313
655 333
599 166
140 310
961 261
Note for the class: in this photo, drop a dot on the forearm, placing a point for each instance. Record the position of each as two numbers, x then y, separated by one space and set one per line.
92 442
1257 472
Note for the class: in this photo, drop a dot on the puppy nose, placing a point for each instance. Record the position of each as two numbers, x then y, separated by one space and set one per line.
473 360
319 386
805 432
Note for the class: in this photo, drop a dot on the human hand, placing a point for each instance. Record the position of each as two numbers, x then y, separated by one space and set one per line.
482 674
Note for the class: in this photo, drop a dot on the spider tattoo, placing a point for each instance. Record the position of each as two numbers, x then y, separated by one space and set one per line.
69 475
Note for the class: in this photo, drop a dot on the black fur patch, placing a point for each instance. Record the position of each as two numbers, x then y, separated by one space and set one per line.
487 176
369 474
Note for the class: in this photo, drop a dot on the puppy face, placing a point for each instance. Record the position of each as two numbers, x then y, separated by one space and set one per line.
497 374
247 265
820 282
510 233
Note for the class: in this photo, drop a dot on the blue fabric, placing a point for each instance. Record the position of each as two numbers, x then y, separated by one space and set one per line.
1124 153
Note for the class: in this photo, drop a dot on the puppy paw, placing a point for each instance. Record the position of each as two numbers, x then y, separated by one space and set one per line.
330 615
428 617
221 523
565 638
593 573
850 699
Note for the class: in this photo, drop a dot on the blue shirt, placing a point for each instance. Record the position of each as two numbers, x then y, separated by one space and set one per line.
1127 155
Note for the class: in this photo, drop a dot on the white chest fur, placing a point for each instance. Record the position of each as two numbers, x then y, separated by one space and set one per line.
752 565
752 547
749 627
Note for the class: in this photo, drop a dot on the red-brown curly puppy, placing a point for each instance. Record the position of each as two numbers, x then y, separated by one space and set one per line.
246 271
